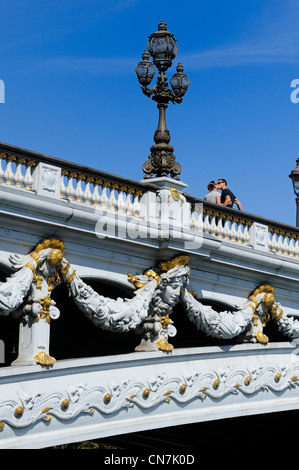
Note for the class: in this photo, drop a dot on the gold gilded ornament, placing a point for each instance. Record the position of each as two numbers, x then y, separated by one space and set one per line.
263 339
71 277
175 194
165 321
44 311
53 281
107 398
277 377
65 403
145 393
177 261
49 243
55 257
269 300
163 345
44 359
65 269
19 410
30 266
153 274
247 380
138 283
216 384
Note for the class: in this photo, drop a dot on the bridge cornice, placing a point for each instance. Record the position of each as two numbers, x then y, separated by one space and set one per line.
98 397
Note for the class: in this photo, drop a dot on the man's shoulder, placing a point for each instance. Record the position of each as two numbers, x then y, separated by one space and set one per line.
228 191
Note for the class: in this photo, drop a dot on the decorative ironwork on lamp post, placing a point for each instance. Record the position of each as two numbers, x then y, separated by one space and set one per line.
295 180
163 49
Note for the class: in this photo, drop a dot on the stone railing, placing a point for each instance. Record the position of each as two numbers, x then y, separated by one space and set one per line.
48 176
26 170
244 228
220 223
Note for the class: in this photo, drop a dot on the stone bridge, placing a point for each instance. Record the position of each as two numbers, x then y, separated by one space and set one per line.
130 306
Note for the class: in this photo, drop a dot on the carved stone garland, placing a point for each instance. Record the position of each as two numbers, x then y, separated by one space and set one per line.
27 295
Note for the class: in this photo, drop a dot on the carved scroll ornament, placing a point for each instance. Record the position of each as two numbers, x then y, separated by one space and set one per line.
146 393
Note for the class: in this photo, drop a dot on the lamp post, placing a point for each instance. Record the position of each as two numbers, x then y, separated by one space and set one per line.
163 49
295 180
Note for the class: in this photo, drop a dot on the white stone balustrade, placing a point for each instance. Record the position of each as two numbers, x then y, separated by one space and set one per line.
283 242
220 225
86 189
51 178
22 173
17 171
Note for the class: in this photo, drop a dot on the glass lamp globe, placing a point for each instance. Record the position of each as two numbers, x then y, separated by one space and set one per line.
162 47
145 70
179 82
295 177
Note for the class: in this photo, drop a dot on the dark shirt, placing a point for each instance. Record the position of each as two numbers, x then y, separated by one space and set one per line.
227 192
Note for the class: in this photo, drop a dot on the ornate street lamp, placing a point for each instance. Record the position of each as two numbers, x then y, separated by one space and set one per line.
163 49
295 180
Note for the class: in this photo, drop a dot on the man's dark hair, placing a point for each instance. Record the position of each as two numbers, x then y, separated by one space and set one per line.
222 180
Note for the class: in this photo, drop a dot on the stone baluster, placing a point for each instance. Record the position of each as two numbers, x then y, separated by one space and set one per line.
199 219
87 194
104 196
286 245
28 179
192 220
18 177
136 202
96 198
213 226
121 205
112 199
220 229
240 233
292 246
206 223
78 190
129 203
247 234
296 247
270 240
2 158
9 174
274 242
280 243
70 190
233 231
64 174
226 229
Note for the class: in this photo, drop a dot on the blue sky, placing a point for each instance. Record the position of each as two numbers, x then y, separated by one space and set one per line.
71 90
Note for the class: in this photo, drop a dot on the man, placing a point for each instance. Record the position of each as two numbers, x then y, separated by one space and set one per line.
227 197
213 195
